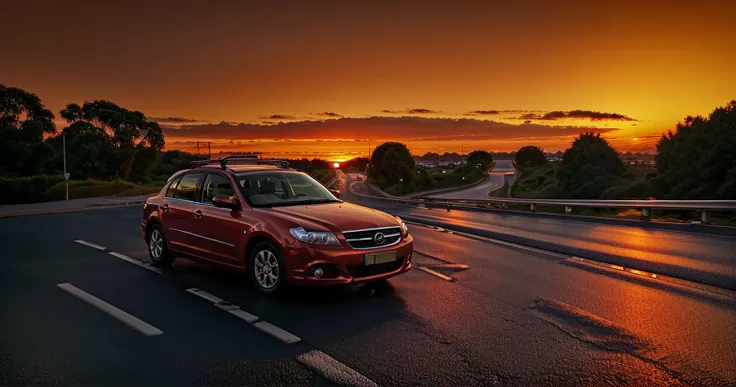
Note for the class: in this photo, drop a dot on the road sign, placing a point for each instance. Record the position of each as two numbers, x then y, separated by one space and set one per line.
66 176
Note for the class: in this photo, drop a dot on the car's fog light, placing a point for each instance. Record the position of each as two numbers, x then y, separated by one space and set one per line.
318 273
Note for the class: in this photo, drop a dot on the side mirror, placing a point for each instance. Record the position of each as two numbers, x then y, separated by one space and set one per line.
335 192
224 201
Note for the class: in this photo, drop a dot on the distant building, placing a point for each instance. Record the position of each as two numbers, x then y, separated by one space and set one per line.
643 159
556 156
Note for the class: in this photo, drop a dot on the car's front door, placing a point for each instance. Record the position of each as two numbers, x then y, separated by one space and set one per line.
179 217
219 228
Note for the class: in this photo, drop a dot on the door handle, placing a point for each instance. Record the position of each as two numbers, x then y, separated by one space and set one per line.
198 214
165 207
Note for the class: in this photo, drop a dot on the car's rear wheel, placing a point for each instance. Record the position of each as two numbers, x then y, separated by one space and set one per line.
158 249
266 268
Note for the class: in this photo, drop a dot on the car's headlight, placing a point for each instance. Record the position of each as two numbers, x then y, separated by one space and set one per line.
315 237
404 229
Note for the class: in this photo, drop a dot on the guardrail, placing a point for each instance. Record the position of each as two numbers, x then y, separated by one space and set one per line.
705 207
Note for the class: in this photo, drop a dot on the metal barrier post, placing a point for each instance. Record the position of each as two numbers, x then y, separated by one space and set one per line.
646 214
533 207
705 217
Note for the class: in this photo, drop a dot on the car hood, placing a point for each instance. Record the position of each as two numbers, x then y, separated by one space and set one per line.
335 217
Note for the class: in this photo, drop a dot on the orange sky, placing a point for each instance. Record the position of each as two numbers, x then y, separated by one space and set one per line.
653 62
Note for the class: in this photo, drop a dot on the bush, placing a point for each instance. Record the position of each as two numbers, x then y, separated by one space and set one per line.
635 190
538 183
21 190
95 188
85 189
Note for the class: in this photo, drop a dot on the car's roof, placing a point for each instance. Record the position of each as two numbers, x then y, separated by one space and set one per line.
237 169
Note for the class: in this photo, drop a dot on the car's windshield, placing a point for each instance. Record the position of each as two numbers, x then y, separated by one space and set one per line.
282 188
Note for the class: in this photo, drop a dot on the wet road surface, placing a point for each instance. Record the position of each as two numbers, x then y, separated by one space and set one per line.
481 314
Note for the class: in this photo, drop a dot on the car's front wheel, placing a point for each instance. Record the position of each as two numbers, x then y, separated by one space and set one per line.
267 269
158 249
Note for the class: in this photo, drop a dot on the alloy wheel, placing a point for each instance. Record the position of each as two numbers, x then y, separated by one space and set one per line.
156 244
266 269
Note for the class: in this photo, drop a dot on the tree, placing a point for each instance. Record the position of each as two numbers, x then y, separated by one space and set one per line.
104 129
23 123
698 160
529 157
480 157
390 162
589 167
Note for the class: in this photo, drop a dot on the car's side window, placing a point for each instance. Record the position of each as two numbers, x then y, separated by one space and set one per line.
216 184
172 188
187 188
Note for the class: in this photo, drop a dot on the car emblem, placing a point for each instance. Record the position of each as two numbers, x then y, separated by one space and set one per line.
379 238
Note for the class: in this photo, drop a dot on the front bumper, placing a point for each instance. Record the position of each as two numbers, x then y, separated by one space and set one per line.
343 265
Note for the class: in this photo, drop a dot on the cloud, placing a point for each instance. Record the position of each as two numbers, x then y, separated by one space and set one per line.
411 111
484 112
379 127
174 120
328 114
420 111
576 114
278 117
528 116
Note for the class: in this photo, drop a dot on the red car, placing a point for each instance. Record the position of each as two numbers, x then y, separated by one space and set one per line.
279 226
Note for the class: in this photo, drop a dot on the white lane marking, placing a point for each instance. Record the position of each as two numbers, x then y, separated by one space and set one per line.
434 273
497 241
209 297
124 317
90 244
277 332
135 262
452 266
237 312
333 370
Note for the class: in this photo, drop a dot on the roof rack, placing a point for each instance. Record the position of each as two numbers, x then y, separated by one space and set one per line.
243 159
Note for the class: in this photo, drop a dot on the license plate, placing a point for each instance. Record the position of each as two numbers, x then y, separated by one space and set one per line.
375 259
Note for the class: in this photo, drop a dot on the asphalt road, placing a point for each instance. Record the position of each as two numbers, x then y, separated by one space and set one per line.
502 172
507 316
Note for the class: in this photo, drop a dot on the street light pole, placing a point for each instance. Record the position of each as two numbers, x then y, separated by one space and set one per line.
66 177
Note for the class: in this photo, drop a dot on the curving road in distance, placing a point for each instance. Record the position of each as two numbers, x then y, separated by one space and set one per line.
501 173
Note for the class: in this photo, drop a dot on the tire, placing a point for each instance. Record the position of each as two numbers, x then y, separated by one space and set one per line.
266 269
158 247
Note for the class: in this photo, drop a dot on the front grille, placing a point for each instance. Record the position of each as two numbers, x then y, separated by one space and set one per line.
366 239
360 271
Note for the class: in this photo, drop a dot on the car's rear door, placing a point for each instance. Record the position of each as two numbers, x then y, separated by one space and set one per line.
179 218
219 229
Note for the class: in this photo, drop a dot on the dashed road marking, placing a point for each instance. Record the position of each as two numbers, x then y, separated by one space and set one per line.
135 262
207 296
460 266
237 312
122 316
434 273
333 370
90 244
273 330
